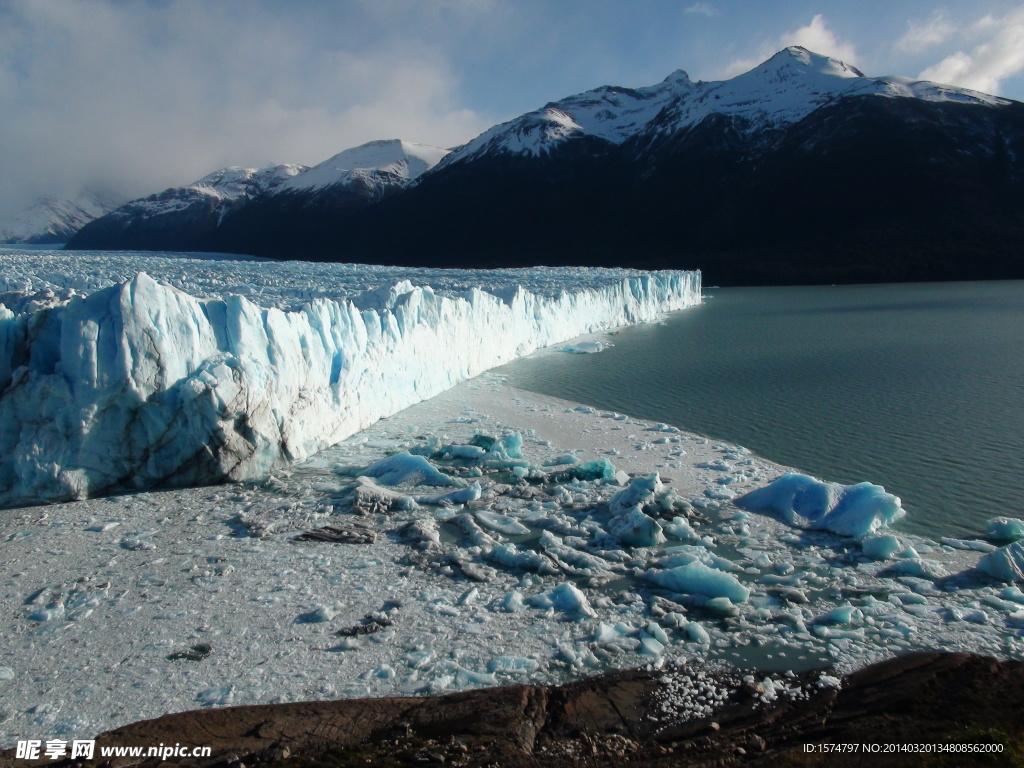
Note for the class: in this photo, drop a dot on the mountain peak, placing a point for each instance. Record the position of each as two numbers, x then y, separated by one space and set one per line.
406 159
798 61
678 77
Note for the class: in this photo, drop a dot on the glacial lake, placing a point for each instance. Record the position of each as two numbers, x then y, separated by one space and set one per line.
916 387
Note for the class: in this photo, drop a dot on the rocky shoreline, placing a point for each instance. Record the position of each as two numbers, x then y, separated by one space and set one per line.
949 701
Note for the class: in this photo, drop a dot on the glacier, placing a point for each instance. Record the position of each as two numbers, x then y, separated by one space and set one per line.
138 384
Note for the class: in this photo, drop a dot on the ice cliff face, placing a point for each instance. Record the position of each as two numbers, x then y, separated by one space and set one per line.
140 384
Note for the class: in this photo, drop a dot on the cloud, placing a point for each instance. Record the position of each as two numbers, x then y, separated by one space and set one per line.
815 36
921 36
999 56
140 97
705 9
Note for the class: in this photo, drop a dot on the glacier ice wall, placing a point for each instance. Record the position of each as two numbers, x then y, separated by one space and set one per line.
140 384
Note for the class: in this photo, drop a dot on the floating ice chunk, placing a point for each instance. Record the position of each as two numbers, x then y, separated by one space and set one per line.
883 547
565 458
512 602
511 556
916 568
370 498
509 446
651 646
697 633
422 533
463 495
680 528
697 578
969 544
405 469
684 555
567 598
500 523
587 347
598 469
804 502
1005 529
845 614
1006 563
319 614
636 529
722 606
466 677
605 633
629 524
1013 594
639 491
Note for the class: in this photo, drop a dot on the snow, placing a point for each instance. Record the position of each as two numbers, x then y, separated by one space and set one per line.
780 91
394 158
54 220
236 182
141 384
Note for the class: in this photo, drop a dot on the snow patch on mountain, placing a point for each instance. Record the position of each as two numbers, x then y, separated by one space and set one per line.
235 182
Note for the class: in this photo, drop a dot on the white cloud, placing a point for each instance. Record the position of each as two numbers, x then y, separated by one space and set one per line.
705 9
921 36
815 36
999 56
141 97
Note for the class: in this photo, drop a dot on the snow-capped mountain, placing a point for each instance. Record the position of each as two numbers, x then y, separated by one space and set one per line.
781 91
208 214
803 169
54 220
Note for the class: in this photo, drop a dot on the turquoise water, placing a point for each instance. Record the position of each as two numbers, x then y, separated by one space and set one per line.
917 387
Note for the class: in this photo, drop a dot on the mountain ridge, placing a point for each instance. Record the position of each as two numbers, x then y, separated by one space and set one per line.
52 220
801 170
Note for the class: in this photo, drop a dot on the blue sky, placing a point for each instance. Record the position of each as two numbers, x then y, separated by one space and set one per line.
145 95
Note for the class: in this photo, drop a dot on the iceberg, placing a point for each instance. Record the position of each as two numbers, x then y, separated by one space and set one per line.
1006 563
805 502
697 578
1005 529
141 384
